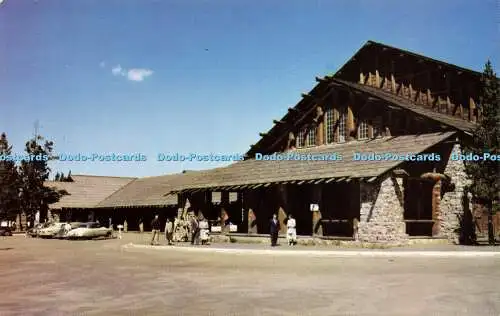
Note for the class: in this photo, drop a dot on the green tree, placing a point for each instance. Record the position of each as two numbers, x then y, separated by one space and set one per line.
485 174
68 177
35 196
57 177
9 182
61 177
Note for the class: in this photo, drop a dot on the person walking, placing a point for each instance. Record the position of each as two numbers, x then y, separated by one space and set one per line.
169 231
274 229
291 233
194 230
155 225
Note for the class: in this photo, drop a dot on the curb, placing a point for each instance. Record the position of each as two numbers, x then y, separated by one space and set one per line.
327 253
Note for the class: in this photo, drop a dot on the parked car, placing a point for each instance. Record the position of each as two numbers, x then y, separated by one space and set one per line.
33 232
65 229
5 231
51 231
89 231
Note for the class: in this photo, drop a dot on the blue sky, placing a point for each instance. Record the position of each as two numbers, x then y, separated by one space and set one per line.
198 76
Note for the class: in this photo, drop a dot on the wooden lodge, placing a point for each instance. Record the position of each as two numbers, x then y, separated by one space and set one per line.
383 100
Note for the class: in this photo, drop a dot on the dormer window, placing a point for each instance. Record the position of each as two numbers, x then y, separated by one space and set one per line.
311 137
301 138
362 130
330 125
342 125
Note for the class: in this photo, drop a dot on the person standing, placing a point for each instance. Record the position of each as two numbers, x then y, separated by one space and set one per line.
155 225
169 231
141 226
291 233
194 230
275 228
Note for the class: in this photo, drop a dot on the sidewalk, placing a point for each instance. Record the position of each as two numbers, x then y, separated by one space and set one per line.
257 249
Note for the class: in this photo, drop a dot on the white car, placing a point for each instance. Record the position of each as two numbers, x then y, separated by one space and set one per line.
51 230
89 230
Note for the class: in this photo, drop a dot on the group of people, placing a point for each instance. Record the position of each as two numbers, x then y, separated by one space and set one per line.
291 233
170 227
156 230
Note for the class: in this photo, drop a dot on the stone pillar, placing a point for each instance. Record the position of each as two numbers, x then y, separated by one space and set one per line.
382 212
436 208
451 203
316 215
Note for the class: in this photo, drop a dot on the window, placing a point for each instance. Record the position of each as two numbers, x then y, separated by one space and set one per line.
377 127
342 125
301 138
362 130
329 126
311 137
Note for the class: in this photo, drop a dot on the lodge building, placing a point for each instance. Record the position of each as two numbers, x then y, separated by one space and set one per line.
383 100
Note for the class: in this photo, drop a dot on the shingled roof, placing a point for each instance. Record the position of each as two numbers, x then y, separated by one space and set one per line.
251 171
86 191
408 104
147 191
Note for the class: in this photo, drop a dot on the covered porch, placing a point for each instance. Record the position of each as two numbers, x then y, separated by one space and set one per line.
346 199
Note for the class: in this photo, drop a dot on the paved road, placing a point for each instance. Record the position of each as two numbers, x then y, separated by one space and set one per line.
53 277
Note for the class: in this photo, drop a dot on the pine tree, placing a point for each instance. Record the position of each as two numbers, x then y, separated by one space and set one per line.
485 174
69 178
61 177
57 177
35 196
9 182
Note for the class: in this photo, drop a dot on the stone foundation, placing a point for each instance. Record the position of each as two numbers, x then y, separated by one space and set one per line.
452 208
382 213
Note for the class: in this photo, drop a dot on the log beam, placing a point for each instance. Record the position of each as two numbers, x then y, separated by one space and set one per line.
472 107
278 122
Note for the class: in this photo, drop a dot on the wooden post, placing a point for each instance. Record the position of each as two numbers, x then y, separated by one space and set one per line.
377 79
393 84
224 203
317 229
461 111
410 92
320 131
448 105
472 107
370 130
336 116
361 78
252 222
429 97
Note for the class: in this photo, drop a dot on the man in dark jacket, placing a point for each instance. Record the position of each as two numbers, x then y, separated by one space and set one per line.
274 229
156 227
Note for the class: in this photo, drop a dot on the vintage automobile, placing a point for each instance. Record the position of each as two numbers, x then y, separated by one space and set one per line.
65 229
51 231
5 231
89 231
33 232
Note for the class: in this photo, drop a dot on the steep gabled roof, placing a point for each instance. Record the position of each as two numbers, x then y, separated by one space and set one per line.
87 191
370 45
404 103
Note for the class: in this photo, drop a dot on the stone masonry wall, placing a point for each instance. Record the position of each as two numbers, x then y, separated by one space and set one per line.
382 213
452 202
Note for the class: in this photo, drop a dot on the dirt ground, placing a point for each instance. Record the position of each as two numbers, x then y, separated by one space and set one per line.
56 277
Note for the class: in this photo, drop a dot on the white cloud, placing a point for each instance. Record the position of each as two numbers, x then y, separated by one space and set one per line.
134 74
118 71
138 74
102 64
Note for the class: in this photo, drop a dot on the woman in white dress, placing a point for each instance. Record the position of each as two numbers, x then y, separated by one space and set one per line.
291 234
